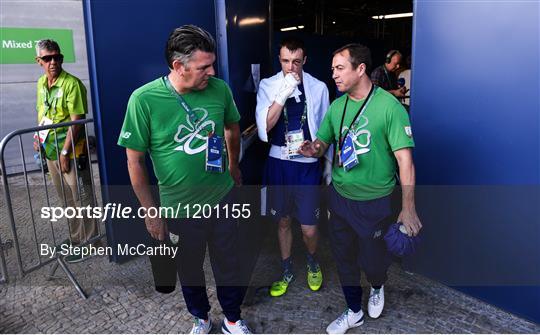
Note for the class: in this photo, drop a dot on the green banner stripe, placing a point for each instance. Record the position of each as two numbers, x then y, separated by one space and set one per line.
18 45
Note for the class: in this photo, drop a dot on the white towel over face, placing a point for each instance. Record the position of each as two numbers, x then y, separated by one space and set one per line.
316 100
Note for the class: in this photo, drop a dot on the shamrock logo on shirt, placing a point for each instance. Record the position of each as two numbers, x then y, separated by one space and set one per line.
361 137
192 137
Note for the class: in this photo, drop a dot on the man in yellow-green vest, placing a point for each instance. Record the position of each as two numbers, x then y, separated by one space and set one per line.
61 97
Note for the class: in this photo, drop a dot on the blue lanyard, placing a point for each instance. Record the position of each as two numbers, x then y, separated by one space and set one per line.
194 119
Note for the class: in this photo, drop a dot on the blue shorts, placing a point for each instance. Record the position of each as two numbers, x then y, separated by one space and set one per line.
293 189
356 234
365 218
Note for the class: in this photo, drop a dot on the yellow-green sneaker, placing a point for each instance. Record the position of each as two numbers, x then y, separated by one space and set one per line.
314 277
279 287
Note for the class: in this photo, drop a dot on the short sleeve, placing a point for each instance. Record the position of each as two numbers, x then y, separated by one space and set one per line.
76 99
231 112
135 132
326 129
399 130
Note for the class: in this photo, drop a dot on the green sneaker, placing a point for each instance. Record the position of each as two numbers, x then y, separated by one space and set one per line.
65 242
76 258
314 277
279 287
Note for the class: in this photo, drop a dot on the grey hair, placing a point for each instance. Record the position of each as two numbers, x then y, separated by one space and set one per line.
49 45
184 41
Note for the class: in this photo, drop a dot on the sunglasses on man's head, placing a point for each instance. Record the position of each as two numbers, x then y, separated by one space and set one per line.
48 58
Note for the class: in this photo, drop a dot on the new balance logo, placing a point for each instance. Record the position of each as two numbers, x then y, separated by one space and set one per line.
126 134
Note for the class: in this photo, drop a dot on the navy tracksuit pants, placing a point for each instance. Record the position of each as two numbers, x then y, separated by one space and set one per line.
221 237
356 232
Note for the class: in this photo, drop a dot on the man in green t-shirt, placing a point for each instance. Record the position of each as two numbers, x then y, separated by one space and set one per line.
371 131
182 120
61 97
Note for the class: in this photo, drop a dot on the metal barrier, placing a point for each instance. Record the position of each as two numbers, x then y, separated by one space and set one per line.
36 231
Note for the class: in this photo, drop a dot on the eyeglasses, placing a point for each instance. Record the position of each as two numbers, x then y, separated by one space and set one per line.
48 58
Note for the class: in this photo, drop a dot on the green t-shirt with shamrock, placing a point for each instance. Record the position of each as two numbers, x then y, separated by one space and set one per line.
383 128
155 122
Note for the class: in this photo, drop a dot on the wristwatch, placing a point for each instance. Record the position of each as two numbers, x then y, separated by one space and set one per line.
64 152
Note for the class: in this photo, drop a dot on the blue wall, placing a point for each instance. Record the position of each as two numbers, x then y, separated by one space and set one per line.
247 44
475 110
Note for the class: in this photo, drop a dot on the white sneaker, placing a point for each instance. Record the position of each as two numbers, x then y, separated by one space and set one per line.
239 327
376 302
346 321
201 326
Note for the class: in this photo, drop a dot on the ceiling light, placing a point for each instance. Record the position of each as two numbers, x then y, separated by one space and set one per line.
292 28
288 28
248 21
392 16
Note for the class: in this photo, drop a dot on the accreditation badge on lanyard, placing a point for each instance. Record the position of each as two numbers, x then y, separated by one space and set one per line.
293 141
214 153
294 138
42 134
348 156
347 153
49 102
214 161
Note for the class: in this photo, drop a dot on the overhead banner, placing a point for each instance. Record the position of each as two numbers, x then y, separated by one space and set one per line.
18 45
